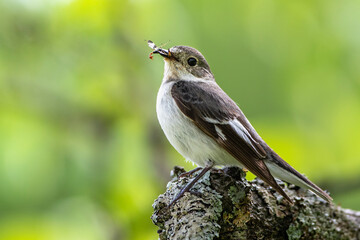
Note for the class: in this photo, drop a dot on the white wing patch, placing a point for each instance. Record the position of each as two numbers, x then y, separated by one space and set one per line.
220 133
214 121
241 130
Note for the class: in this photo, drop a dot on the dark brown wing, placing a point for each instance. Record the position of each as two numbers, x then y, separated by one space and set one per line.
213 111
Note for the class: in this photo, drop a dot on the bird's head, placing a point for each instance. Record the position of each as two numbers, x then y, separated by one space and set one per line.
185 63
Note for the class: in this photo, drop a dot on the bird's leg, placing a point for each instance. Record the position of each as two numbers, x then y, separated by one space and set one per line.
190 184
186 174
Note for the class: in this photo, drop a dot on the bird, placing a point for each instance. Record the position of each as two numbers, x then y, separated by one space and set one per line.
208 128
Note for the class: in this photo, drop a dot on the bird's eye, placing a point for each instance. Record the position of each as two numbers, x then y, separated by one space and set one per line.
192 61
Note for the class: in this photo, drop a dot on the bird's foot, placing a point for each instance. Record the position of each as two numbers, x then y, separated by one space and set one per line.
189 173
190 184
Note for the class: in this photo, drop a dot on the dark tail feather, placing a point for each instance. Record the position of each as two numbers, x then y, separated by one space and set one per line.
282 170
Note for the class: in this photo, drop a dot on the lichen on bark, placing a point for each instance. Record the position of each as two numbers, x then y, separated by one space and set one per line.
224 205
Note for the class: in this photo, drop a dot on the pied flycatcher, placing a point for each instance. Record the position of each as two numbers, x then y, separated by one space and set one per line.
207 127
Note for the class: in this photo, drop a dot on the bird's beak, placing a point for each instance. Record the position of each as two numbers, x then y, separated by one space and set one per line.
163 52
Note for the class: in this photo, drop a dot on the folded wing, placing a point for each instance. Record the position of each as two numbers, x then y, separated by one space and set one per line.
213 111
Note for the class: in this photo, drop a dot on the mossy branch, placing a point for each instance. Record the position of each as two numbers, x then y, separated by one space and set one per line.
224 205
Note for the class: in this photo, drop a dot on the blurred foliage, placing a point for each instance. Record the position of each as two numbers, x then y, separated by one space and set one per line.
81 153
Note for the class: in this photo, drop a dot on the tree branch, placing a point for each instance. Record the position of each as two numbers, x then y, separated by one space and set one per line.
224 205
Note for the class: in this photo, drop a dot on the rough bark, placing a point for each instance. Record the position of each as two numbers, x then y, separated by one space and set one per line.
224 205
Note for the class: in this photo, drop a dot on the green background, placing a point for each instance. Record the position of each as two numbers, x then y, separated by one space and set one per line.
81 153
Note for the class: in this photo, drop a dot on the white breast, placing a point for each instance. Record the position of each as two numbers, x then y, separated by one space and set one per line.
184 136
